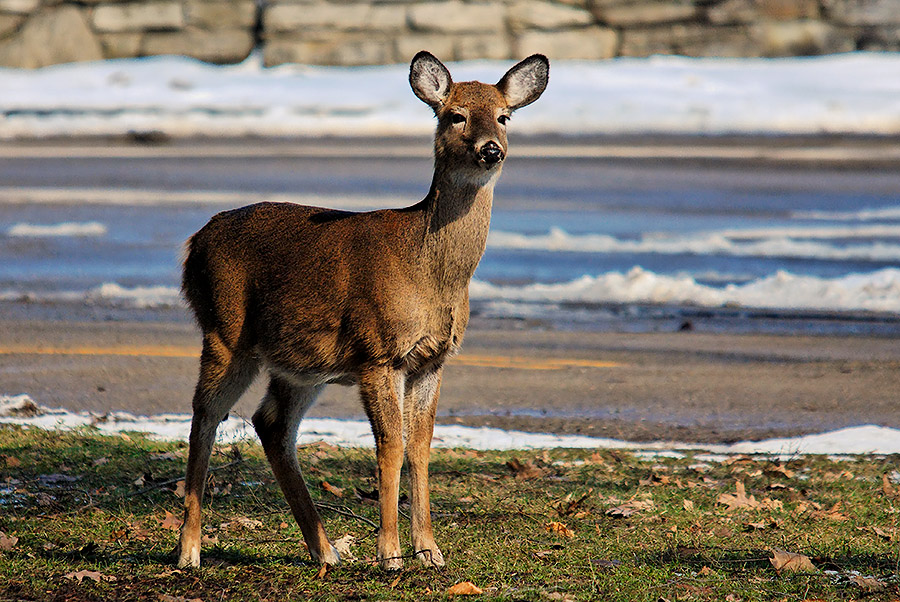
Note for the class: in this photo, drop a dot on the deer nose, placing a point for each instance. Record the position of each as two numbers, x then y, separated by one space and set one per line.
491 153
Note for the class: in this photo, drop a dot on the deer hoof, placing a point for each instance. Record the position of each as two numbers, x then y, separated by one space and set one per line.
431 557
329 556
391 564
188 558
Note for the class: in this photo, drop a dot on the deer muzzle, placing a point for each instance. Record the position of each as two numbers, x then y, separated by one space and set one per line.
490 154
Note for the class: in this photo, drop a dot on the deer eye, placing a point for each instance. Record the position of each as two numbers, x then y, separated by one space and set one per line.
458 118
503 119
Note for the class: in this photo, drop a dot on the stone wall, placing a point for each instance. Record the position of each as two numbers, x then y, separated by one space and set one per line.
35 33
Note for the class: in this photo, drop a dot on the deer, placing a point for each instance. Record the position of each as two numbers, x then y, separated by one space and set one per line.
376 299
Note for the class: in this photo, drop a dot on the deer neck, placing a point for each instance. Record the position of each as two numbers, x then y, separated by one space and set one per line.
457 219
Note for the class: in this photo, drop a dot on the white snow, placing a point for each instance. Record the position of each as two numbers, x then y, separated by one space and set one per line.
847 93
877 291
22 410
26 230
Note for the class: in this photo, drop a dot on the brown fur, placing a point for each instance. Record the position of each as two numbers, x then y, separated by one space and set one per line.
379 299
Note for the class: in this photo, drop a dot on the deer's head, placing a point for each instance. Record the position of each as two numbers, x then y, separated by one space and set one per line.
472 116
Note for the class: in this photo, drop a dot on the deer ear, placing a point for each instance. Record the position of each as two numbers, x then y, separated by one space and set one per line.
525 82
429 79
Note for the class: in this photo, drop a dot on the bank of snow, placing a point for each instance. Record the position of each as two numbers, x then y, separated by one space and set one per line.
22 410
855 93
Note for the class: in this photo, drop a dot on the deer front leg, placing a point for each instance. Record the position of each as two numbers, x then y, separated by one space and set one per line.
276 422
421 405
382 391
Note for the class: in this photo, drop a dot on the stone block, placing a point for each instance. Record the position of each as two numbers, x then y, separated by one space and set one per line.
347 49
440 46
292 17
121 45
534 14
221 15
688 40
800 38
19 7
879 39
222 46
144 16
55 36
592 43
482 46
456 17
733 12
639 13
10 23
864 12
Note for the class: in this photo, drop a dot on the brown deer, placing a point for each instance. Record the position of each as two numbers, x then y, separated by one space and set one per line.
378 299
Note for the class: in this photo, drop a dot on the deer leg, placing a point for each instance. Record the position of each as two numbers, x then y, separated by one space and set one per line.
382 390
223 378
276 421
420 409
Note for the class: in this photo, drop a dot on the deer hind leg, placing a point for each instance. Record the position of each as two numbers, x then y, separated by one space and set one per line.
276 421
382 390
421 405
223 378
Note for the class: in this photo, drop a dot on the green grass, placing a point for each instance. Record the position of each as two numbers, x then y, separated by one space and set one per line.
491 522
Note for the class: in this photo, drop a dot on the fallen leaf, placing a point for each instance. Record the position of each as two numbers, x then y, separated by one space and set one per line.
335 491
525 470
876 530
241 522
628 508
705 571
688 505
168 598
92 575
342 544
394 583
869 584
887 488
7 542
464 588
323 570
791 562
209 540
100 461
780 469
179 489
739 500
170 522
11 462
559 528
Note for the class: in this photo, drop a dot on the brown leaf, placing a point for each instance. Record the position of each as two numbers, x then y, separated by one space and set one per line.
688 505
168 598
791 562
335 491
705 571
11 461
342 545
628 508
170 522
464 588
739 500
887 488
869 584
100 461
525 470
876 530
559 528
780 469
209 540
241 522
92 575
7 542
179 489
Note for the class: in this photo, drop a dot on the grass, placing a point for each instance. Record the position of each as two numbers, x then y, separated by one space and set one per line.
533 526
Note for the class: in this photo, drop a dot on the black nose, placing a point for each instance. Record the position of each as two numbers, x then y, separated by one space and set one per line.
491 153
